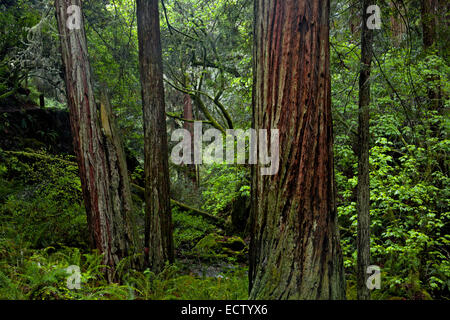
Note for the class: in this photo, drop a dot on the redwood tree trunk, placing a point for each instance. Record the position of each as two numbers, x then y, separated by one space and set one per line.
295 251
398 27
104 178
429 22
158 225
191 171
363 192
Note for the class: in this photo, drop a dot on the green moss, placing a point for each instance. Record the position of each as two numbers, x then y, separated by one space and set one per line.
219 247
208 244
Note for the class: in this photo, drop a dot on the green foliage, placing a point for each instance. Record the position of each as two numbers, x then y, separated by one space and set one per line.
188 229
215 247
42 275
41 207
16 17
207 47
41 200
170 285
409 180
221 185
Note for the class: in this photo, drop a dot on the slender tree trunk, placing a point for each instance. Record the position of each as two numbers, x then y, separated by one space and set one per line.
158 224
295 251
363 192
191 171
103 173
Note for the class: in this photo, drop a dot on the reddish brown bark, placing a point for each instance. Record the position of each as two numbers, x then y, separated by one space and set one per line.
295 251
102 167
398 27
158 224
363 191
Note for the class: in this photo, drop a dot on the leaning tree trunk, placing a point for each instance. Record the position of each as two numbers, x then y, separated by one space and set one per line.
295 251
363 193
158 224
104 178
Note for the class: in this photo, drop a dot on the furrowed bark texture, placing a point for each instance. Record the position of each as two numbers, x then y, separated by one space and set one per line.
123 221
158 225
103 176
363 192
295 251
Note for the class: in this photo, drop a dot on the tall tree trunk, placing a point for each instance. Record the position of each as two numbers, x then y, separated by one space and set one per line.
295 251
363 193
103 172
398 27
191 171
158 224
429 22
429 38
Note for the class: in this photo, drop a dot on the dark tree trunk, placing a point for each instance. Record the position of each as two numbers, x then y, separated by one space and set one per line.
295 251
429 22
429 38
103 174
363 193
41 101
158 224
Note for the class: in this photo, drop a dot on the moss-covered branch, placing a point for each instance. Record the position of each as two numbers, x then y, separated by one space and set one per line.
39 156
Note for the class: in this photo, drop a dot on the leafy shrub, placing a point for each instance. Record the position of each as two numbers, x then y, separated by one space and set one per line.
221 184
409 182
